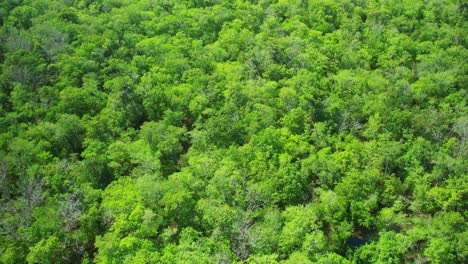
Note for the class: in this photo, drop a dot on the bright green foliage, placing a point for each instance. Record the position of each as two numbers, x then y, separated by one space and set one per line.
46 251
390 248
269 131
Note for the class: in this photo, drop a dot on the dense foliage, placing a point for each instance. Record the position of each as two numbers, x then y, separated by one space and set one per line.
211 131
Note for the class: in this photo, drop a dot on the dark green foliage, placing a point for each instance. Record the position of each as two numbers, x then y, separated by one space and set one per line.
209 131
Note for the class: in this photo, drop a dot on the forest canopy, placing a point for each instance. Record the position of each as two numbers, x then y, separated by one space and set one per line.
211 131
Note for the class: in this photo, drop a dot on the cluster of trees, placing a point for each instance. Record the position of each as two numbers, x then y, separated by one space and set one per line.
247 131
